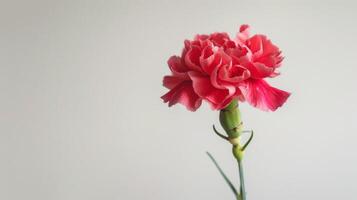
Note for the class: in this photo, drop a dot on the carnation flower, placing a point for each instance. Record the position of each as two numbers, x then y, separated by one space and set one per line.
218 69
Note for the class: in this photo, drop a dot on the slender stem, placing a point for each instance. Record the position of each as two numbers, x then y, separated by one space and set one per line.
241 178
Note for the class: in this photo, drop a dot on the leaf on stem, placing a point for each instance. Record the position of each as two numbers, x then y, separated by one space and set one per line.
219 134
234 190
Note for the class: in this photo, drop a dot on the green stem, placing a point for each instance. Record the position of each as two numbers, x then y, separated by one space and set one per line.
241 178
231 122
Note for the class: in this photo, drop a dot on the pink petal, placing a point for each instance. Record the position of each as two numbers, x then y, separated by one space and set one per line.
260 94
220 39
243 34
192 58
209 59
270 56
203 87
219 84
176 65
243 28
255 44
201 37
260 70
184 94
233 73
269 47
172 81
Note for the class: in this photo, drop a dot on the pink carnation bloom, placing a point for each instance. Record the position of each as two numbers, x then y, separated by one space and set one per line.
218 69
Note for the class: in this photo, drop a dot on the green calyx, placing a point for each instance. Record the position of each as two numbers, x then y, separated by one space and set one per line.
231 120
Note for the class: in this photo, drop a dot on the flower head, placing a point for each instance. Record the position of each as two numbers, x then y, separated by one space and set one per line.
218 69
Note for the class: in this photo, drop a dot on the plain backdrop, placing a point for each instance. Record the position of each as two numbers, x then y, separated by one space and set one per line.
81 116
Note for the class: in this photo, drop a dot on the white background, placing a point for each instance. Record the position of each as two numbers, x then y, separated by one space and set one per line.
81 116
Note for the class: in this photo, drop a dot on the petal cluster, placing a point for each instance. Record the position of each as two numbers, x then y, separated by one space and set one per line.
218 69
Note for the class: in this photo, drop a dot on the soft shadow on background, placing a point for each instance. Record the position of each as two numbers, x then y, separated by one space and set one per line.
81 117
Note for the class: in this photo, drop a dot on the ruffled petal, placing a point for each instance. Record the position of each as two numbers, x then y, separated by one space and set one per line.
203 87
233 73
260 94
184 94
270 55
209 59
220 39
172 81
255 44
243 34
192 58
176 65
260 70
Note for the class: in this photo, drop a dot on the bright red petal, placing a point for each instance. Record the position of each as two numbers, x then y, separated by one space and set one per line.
176 65
260 94
184 94
192 58
203 87
243 34
172 81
